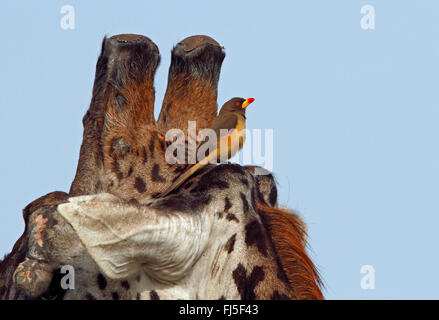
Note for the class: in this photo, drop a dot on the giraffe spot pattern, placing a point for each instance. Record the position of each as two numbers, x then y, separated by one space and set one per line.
232 217
245 206
260 196
187 185
279 296
115 167
252 198
230 244
210 180
155 174
154 295
140 185
102 281
115 295
130 171
2 291
144 155
227 205
273 196
180 168
246 285
98 186
151 147
125 284
89 296
255 235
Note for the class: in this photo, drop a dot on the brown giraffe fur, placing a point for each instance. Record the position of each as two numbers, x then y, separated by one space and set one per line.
253 249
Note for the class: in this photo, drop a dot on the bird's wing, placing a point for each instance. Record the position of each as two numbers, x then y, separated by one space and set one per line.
226 121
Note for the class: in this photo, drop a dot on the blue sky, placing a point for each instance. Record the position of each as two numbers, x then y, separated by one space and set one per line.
354 113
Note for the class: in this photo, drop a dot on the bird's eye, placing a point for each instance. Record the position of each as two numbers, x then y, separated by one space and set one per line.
238 104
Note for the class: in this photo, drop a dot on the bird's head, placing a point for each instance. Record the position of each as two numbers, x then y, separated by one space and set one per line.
236 105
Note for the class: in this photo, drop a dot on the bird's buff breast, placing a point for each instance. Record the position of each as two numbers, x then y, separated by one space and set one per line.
235 141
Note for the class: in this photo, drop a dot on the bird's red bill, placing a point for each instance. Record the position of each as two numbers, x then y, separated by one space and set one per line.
247 102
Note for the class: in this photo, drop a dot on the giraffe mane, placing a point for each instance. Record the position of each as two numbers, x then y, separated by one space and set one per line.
288 235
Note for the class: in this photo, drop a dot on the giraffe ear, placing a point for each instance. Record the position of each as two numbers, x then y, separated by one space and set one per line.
93 218
192 84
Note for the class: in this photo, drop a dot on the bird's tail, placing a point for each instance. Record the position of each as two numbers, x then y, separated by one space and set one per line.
185 175
181 179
